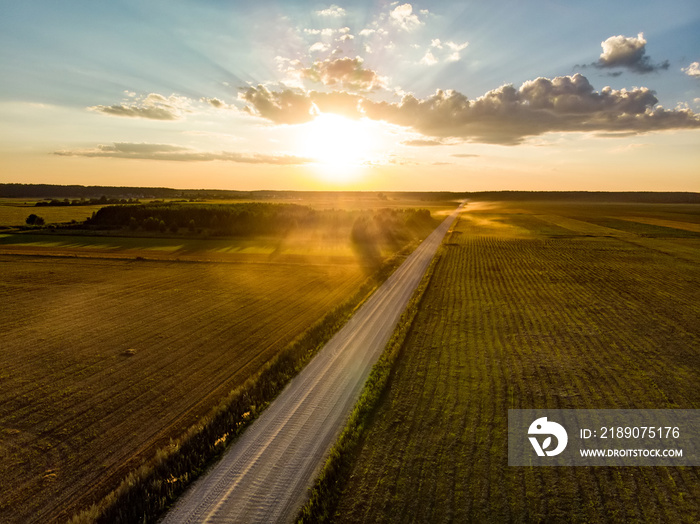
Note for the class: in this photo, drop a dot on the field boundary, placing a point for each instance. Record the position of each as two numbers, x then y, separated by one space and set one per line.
148 491
324 494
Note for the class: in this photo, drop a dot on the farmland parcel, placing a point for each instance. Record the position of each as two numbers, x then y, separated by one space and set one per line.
537 306
104 361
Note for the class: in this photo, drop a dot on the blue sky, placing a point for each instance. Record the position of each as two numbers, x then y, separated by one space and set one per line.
246 95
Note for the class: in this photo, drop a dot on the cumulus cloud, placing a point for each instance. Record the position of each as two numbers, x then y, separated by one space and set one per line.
289 106
428 59
346 72
178 153
296 106
153 106
319 47
214 102
508 115
629 53
692 70
403 17
217 103
323 32
502 116
446 51
333 11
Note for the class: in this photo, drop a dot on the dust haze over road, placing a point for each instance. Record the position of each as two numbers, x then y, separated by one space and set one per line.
265 475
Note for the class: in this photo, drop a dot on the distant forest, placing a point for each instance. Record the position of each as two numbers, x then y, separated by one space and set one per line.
390 226
641 197
49 191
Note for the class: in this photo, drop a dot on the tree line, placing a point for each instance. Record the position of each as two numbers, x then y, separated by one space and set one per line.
102 201
393 226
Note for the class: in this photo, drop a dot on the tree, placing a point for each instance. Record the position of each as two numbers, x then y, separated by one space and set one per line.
151 224
34 220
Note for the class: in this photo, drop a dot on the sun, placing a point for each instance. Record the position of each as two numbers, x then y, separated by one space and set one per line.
340 147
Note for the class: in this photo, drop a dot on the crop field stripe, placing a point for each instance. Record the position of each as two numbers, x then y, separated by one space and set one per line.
146 328
581 225
628 225
674 224
205 327
678 248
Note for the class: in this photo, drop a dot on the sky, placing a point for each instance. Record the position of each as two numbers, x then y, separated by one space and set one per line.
373 95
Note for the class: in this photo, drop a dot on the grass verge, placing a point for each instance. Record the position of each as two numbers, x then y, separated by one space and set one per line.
326 491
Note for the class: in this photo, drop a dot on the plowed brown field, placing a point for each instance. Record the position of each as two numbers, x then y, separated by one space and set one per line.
103 361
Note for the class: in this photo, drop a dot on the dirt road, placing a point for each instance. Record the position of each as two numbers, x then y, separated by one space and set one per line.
265 475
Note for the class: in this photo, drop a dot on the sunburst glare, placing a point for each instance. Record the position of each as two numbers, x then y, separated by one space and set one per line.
340 146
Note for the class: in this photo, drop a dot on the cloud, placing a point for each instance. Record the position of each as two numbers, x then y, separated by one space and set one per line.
403 17
319 47
217 103
333 11
296 106
508 115
214 102
152 106
346 72
179 154
456 49
423 142
629 53
692 70
446 51
428 59
465 155
505 115
323 32
289 106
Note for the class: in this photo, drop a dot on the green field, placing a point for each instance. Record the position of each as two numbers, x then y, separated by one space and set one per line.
537 306
14 212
